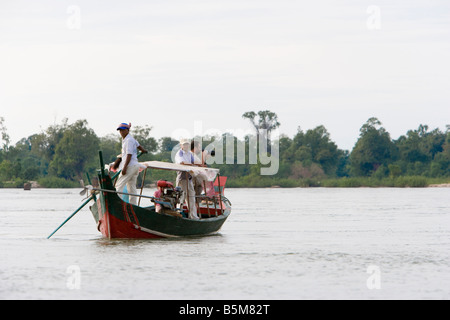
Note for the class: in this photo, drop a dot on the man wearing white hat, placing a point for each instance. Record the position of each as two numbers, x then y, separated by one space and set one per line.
129 164
184 179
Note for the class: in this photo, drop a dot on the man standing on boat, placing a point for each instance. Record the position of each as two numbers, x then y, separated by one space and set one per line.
184 179
129 164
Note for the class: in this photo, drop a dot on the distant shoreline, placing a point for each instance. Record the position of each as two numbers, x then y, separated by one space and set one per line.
440 185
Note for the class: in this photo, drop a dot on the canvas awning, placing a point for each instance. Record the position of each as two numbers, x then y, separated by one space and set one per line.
207 173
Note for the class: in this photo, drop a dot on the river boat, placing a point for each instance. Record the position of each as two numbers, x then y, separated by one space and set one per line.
117 218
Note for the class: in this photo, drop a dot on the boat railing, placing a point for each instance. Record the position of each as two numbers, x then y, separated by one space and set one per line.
209 201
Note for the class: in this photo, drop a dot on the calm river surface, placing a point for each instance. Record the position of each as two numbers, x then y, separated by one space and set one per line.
312 243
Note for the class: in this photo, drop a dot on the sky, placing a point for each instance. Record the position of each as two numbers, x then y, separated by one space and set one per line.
171 64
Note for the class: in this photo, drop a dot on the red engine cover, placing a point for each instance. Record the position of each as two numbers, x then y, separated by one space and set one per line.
165 184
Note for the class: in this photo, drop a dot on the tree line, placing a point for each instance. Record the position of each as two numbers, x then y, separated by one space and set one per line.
63 153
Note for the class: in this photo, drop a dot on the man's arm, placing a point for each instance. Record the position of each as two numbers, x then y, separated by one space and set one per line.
125 166
142 149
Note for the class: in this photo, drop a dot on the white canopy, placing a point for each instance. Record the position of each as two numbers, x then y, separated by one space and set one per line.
207 173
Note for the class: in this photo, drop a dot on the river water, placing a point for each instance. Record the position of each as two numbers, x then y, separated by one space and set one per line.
315 243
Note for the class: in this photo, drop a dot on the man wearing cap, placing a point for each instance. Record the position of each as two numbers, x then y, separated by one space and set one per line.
129 164
184 179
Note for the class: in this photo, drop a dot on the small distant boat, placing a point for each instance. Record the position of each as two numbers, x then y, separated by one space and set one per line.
27 186
116 218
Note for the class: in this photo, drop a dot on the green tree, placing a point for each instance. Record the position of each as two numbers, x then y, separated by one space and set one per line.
142 135
166 144
421 152
394 170
286 158
6 170
342 169
441 163
420 145
110 145
76 152
165 147
315 146
373 148
266 123
4 135
44 144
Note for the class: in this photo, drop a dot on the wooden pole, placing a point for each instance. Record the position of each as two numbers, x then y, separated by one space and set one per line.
207 200
220 194
187 192
70 217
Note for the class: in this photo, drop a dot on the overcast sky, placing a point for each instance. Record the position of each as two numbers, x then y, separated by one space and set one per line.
169 63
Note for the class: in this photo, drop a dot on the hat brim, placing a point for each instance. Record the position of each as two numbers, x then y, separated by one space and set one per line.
122 128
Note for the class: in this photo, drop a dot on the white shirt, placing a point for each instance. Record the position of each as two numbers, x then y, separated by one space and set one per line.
129 146
186 157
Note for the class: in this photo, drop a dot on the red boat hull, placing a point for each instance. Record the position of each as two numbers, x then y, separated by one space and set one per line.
112 227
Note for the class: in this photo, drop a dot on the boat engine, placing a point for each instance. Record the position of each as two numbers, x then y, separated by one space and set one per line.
170 195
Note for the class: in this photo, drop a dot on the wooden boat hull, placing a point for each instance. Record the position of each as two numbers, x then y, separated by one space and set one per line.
118 219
